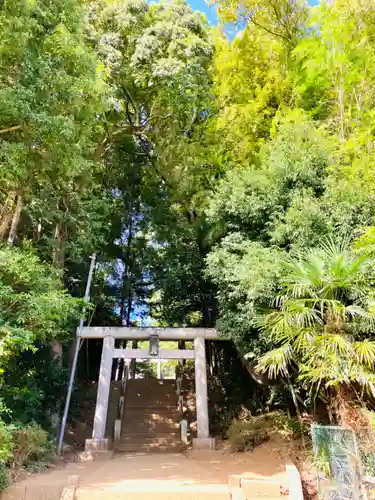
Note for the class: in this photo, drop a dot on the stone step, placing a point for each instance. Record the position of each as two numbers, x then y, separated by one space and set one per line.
163 398
130 431
144 415
150 424
155 403
33 492
138 445
161 409
153 425
150 382
254 488
129 405
150 393
148 448
150 414
144 403
155 495
152 417
152 389
145 428
147 438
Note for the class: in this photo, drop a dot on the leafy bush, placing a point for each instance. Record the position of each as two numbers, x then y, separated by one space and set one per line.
246 435
35 391
6 449
6 443
30 443
22 446
4 478
285 426
33 305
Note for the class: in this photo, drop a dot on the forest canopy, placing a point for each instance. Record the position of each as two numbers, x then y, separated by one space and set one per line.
222 183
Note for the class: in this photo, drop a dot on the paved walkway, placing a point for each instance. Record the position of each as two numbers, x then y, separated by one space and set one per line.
166 477
202 476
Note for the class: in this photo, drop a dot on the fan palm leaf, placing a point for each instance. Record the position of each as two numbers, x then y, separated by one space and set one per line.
276 362
325 303
365 352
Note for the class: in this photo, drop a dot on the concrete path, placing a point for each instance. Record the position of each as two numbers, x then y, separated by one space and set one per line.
201 476
154 477
173 476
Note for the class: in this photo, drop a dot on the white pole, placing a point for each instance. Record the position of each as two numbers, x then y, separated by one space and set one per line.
76 352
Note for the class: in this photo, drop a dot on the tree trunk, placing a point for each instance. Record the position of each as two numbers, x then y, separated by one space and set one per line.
7 214
56 351
56 347
58 251
182 345
340 95
129 307
15 220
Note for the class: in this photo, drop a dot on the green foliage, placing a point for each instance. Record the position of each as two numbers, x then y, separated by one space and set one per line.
247 274
245 436
35 393
22 446
4 478
321 461
296 132
33 305
30 444
322 319
204 172
51 93
6 443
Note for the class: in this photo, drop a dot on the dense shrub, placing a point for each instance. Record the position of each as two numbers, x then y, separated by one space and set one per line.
22 446
4 478
244 435
30 443
34 392
6 443
6 449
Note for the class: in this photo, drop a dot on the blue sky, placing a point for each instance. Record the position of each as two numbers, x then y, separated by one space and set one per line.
209 10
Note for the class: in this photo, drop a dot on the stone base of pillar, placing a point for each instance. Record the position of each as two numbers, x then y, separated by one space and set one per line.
89 456
97 449
204 443
98 444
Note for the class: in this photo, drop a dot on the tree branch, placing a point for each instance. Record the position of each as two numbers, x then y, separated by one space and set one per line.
135 107
273 33
10 129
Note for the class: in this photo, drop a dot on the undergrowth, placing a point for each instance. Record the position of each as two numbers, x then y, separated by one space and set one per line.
246 434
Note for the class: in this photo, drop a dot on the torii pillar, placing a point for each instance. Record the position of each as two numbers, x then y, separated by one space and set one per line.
203 440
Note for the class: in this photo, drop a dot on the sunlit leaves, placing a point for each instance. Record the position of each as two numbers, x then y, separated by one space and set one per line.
276 362
317 317
33 306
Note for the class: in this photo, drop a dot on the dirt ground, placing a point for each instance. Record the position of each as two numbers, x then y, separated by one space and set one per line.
199 476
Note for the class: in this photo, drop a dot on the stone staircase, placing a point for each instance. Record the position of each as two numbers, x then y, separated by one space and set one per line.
151 417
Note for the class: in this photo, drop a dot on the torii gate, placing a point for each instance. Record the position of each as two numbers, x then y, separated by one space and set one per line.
109 334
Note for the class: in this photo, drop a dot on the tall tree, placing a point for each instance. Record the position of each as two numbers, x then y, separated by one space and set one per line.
51 93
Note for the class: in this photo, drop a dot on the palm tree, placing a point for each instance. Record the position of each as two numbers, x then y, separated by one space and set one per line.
323 319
